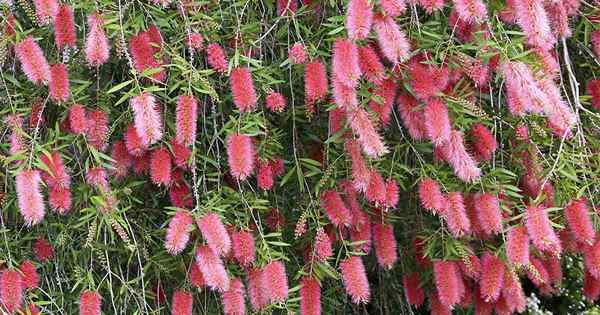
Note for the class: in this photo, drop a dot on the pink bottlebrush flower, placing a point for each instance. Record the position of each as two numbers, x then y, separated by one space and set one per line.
186 116
122 160
561 118
591 287
59 199
552 265
310 296
447 282
147 118
315 82
242 89
427 81
391 193
133 142
31 279
182 303
344 97
360 172
322 247
56 173
559 20
216 58
78 121
580 223
195 275
297 54
264 176
393 8
512 292
370 64
482 307
17 141
31 202
242 243
431 5
376 192
385 94
470 266
385 245
64 27
43 250
595 39
484 142
178 232
215 234
593 88
537 273
368 138
456 215
345 66
355 279
240 154
488 213
362 234
492 280
194 41
472 214
11 290
335 208
540 230
275 102
437 121
517 246
591 259
436 306
392 41
96 43
274 281
143 54
90 303
45 10
456 155
521 88
233 299
431 195
258 297
286 6
533 20
212 268
412 289
412 116
160 166
97 177
97 130
181 154
33 61
471 11
359 18
59 83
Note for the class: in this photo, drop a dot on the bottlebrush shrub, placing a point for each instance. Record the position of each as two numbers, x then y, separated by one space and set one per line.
310 157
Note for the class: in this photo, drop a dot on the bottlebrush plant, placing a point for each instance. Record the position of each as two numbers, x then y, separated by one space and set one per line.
299 157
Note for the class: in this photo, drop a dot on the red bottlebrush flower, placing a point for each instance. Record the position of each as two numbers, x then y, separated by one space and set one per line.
492 279
384 104
96 43
359 18
335 208
274 281
240 155
482 307
97 130
580 223
552 265
310 296
216 58
368 138
456 215
178 232
540 230
32 309
214 233
275 102
9 26
195 275
297 54
43 250
147 119
436 306
427 81
591 287
31 279
181 154
437 121
274 219
533 20
447 282
212 268
78 121
59 199
360 172
456 155
517 246
593 87
33 61
470 11
391 193
431 196
484 142
242 89
362 234
11 290
36 116
470 267
285 6
90 303
59 83
355 279
322 247
31 202
392 41
64 27
133 142
56 174
344 64
591 259
385 245
45 10
431 5
195 41
277 164
182 303
186 116
412 289
412 116
256 291
122 160
488 213
376 192
233 299
370 64
160 167
595 39
393 8
242 243
315 82
180 195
